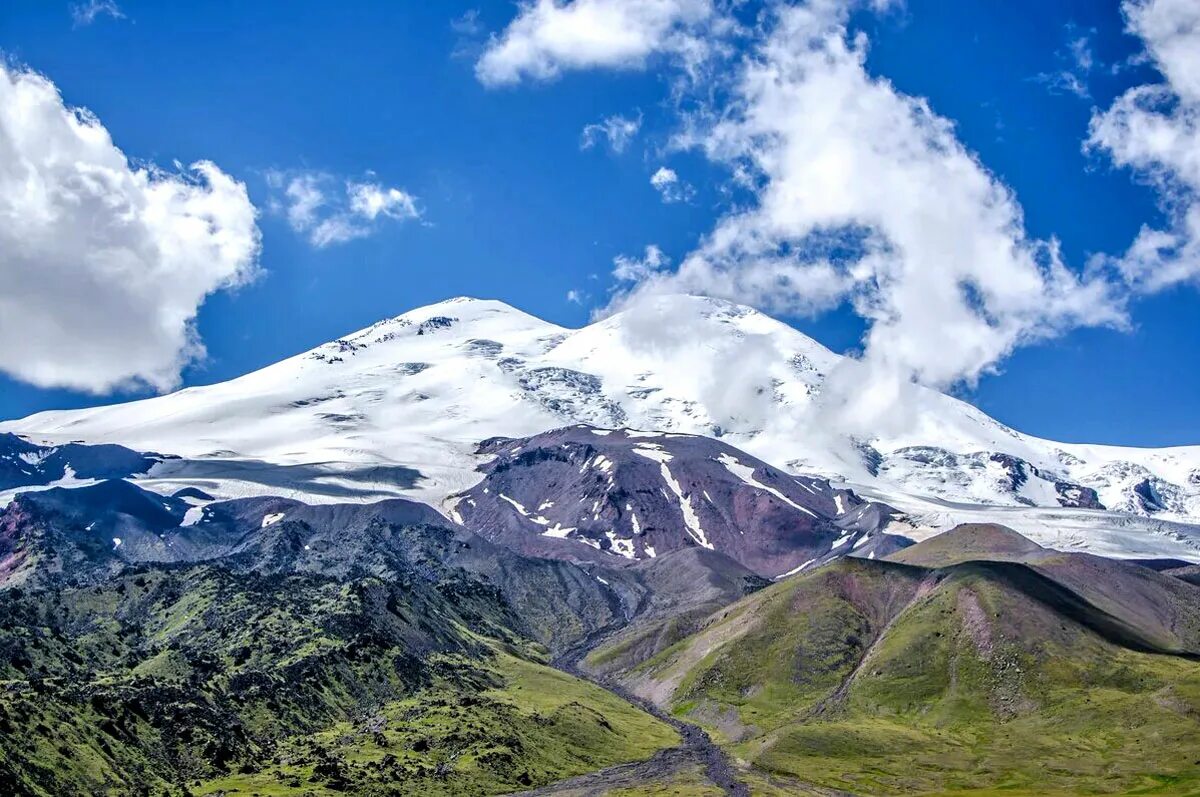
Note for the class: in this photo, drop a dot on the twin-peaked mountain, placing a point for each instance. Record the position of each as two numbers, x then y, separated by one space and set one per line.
328 584
400 407
622 495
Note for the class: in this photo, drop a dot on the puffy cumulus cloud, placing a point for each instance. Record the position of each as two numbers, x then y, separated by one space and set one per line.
550 36
328 211
618 130
668 185
104 264
862 194
1155 130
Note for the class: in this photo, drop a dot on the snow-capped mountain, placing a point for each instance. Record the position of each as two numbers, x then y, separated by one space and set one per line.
400 407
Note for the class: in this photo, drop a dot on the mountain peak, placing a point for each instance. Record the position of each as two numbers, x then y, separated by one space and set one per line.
967 542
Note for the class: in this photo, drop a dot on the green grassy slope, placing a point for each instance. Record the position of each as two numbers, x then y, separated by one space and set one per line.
874 677
195 679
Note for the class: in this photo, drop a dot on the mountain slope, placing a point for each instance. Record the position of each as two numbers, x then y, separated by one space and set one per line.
86 535
198 679
623 496
1160 610
880 677
399 408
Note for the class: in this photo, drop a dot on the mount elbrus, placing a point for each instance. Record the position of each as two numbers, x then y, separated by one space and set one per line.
465 551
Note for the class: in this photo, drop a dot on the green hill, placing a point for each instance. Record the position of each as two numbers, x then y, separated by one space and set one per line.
968 676
196 679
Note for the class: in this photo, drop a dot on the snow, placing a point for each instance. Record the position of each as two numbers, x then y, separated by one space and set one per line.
746 474
271 519
795 570
621 545
516 504
653 452
1094 531
192 516
690 520
116 543
69 479
336 423
558 531
837 500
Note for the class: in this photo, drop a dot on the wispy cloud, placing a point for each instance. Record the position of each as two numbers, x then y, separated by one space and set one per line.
329 211
617 130
668 185
639 269
468 29
84 14
1076 60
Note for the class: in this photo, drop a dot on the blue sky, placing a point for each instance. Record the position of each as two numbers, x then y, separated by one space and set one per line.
512 207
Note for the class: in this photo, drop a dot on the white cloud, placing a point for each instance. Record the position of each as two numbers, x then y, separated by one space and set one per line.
1078 61
640 269
574 296
84 14
1155 130
667 183
371 200
468 30
327 213
862 194
104 264
549 36
468 24
617 129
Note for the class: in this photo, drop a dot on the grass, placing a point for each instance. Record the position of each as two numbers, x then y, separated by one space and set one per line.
289 684
858 678
531 726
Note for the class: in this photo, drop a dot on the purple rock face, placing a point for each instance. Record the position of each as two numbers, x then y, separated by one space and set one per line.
583 493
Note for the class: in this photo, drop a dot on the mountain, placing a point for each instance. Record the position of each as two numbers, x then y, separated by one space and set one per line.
399 408
200 680
86 535
962 669
25 464
265 645
622 496
1153 610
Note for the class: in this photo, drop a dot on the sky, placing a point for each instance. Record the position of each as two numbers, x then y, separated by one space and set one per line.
994 199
